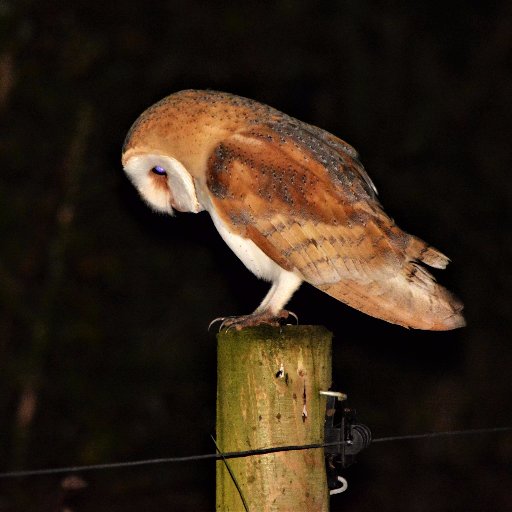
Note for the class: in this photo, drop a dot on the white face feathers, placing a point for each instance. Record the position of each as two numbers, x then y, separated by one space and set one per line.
163 183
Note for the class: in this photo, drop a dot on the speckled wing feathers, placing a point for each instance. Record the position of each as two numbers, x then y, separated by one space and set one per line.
303 197
346 155
317 220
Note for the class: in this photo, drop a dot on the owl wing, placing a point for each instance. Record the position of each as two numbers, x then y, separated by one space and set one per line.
301 195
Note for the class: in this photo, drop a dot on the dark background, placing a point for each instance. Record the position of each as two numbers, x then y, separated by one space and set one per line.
104 353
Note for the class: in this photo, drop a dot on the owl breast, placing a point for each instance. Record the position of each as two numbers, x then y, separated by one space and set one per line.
248 252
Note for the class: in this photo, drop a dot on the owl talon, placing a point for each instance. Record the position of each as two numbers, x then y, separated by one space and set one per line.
261 318
227 323
215 320
291 313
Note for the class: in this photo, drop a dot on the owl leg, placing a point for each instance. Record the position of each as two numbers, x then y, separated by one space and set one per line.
270 311
266 300
280 293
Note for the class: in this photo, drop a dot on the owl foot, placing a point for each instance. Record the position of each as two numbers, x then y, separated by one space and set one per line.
252 320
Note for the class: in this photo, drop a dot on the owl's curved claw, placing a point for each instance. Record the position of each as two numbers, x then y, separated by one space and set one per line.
291 313
228 322
220 319
232 326
224 320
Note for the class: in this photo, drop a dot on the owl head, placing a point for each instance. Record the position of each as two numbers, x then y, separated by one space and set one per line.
162 181
153 155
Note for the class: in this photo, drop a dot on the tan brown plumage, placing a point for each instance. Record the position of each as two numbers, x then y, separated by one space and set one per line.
303 199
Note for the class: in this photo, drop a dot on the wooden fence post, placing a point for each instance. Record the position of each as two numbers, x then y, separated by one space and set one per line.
268 395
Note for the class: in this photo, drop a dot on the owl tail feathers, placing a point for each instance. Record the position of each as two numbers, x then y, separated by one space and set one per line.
408 296
401 301
418 250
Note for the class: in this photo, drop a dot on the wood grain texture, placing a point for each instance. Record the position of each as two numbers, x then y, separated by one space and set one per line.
259 408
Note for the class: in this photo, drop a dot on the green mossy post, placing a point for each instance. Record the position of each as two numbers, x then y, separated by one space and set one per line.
268 395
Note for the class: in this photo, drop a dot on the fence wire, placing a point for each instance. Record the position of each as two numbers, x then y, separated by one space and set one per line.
243 453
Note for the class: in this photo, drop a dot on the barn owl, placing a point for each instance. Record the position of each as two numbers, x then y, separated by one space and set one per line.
292 201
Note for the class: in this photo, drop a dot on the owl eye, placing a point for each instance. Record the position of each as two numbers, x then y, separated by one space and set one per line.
159 170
